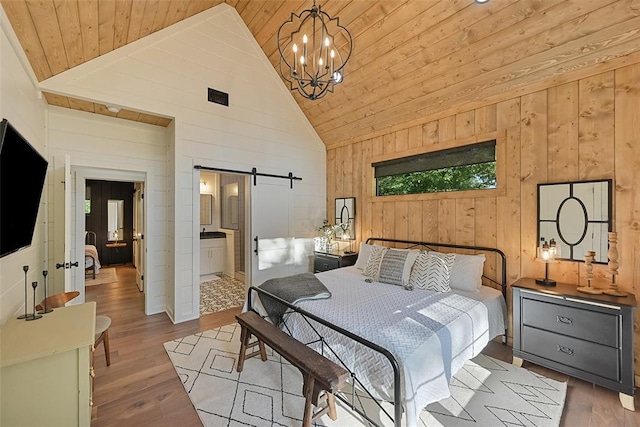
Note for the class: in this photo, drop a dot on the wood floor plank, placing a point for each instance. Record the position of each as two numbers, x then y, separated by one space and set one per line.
141 387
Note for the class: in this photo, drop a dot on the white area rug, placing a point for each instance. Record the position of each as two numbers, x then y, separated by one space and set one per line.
485 392
105 275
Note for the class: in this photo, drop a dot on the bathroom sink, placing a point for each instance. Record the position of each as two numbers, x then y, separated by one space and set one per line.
212 235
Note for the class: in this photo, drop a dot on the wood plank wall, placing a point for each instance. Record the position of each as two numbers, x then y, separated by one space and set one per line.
584 129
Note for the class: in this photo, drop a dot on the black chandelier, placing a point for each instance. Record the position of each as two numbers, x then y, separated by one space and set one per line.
314 48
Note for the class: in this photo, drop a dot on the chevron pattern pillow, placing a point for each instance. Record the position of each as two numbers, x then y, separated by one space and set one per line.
432 272
372 269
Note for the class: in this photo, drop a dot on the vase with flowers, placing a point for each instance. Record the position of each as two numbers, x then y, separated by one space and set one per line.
327 235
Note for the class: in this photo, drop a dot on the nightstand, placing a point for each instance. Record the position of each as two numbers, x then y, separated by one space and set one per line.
325 261
586 336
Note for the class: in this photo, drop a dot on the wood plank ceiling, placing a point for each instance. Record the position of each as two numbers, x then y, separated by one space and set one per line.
411 59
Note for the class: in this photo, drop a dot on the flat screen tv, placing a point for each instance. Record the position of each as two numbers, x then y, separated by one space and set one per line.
22 174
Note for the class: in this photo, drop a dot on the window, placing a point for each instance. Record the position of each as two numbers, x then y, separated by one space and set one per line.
470 167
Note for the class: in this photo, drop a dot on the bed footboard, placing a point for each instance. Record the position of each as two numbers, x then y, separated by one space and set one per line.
350 401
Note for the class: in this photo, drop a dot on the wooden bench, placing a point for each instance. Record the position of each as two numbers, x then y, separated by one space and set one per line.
319 373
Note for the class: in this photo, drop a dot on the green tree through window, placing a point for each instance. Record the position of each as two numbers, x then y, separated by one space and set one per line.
470 167
471 177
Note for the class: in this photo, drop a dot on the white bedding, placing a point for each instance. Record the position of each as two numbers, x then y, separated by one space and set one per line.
431 334
91 251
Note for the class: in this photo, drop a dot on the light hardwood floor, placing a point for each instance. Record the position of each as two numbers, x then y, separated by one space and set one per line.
141 388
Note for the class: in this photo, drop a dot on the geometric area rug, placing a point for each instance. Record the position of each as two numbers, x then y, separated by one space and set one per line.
485 392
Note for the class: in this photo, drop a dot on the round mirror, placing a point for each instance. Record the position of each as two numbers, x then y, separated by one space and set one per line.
572 221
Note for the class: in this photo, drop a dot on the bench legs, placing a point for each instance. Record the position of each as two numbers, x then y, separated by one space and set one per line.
311 392
245 336
311 389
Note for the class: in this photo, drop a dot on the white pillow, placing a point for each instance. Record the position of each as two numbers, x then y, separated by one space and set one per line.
363 256
395 267
372 268
466 274
432 271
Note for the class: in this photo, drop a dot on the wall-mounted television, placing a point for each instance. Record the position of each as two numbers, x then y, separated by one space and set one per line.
22 175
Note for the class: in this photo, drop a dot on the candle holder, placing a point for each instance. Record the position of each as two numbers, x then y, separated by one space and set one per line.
25 268
588 263
613 267
34 316
45 309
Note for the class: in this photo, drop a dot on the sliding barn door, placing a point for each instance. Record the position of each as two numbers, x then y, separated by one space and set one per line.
273 246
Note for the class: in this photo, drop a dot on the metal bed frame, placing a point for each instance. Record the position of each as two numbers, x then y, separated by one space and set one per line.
397 402
90 239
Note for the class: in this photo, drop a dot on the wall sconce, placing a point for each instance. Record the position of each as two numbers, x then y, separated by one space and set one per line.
203 186
547 253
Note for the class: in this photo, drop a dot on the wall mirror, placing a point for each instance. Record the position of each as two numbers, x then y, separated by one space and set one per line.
206 205
346 216
229 206
578 216
115 220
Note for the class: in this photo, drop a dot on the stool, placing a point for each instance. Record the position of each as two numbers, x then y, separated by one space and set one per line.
102 335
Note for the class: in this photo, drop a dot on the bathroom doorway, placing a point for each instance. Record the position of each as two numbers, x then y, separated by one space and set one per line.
222 235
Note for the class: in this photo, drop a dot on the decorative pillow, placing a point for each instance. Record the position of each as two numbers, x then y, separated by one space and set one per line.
467 272
395 267
363 256
373 262
432 271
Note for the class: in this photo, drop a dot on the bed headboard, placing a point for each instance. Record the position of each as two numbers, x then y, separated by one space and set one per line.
501 280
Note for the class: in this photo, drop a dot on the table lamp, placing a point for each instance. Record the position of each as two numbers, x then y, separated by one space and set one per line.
547 253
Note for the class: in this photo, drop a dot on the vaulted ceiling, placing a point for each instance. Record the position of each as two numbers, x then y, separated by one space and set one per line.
411 58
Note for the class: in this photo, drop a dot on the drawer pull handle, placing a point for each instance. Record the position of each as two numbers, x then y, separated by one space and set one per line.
565 320
565 350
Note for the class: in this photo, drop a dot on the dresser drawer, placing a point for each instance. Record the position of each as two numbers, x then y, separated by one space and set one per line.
325 263
574 353
580 323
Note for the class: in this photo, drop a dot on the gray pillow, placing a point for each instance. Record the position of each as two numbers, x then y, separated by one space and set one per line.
395 268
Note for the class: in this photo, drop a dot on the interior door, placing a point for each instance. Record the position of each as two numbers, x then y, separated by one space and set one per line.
65 257
273 246
138 235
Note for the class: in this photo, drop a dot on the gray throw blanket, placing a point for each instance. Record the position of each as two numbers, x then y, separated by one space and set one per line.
292 289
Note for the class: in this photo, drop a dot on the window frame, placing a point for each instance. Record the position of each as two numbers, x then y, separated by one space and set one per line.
499 190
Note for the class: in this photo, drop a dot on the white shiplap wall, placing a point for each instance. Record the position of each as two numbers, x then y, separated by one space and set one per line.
102 147
20 104
168 73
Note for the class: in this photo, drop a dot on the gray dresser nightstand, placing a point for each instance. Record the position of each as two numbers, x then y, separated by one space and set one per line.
586 336
324 261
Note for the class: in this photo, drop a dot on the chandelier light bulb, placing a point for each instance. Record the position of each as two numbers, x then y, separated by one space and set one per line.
295 48
304 39
320 61
326 42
